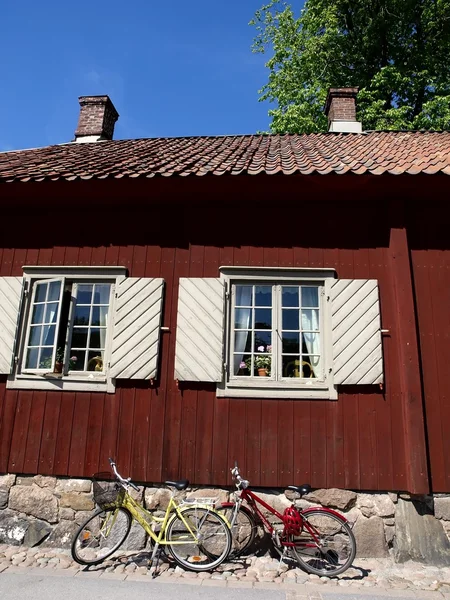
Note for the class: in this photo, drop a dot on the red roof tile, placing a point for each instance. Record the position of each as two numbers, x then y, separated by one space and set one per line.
374 152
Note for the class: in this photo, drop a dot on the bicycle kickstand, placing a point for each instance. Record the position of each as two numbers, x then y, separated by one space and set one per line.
282 557
155 554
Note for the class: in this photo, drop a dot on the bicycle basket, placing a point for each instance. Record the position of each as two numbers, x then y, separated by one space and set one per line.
107 492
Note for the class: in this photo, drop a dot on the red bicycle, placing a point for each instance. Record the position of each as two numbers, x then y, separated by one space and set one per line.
319 539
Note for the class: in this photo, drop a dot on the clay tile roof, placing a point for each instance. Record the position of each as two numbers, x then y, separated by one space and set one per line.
375 153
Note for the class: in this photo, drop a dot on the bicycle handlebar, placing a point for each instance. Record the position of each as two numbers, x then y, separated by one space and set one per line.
241 483
120 478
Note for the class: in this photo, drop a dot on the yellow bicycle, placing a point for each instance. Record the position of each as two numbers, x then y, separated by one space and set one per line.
197 537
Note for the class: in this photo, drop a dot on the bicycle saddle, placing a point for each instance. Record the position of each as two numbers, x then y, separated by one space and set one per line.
300 489
182 484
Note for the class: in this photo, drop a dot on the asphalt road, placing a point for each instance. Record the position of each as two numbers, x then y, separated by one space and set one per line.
34 586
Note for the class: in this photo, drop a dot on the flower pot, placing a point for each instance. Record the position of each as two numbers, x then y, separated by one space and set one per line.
58 367
262 372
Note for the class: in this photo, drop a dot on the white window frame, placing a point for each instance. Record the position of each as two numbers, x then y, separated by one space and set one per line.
265 387
27 329
89 381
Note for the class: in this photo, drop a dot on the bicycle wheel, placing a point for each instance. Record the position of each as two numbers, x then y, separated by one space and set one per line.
326 544
243 530
101 535
212 542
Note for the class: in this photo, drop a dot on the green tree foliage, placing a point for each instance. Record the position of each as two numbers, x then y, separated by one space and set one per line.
396 51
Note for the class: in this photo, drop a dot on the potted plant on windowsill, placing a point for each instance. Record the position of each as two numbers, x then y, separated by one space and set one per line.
262 363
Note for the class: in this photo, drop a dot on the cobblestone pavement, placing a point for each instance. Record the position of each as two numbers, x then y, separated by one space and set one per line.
367 575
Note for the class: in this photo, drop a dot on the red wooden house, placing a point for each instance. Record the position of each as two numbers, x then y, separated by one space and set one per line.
184 303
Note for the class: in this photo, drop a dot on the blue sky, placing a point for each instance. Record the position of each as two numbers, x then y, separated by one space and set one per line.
171 68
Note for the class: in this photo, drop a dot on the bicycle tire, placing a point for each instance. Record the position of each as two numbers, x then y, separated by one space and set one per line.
210 550
101 535
337 544
243 531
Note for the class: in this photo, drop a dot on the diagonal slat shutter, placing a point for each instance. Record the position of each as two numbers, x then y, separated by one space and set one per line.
137 323
10 301
355 319
200 330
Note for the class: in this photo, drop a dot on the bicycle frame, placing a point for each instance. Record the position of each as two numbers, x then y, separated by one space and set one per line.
173 510
253 500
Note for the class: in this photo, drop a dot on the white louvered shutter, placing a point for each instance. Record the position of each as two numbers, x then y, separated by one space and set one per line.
137 323
11 291
200 330
355 319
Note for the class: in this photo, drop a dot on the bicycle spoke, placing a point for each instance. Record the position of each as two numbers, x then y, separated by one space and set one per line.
210 543
326 545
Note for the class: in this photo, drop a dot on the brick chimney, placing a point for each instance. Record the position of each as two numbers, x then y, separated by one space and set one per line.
97 119
340 109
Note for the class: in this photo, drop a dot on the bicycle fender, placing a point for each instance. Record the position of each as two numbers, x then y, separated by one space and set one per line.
232 504
324 510
175 513
243 509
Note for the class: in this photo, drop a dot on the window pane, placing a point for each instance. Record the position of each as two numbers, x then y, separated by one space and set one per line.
80 337
94 340
35 336
41 291
291 319
311 366
95 361
242 341
289 296
82 315
310 320
99 315
291 343
244 295
84 294
263 295
54 291
51 312
263 341
243 318
291 366
48 339
310 296
312 342
263 318
101 294
77 358
242 365
38 313
32 358
45 359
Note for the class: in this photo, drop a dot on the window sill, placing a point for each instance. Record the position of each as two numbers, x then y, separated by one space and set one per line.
311 393
60 383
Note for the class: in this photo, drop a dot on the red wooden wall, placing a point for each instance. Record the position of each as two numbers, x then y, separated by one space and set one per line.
170 229
430 257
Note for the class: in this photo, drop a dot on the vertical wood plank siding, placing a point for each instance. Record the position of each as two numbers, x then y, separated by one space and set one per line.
430 257
162 432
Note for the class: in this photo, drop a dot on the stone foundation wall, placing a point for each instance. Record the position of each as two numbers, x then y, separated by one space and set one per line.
35 510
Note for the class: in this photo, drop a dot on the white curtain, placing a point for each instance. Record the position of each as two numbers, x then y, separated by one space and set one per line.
243 297
310 321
